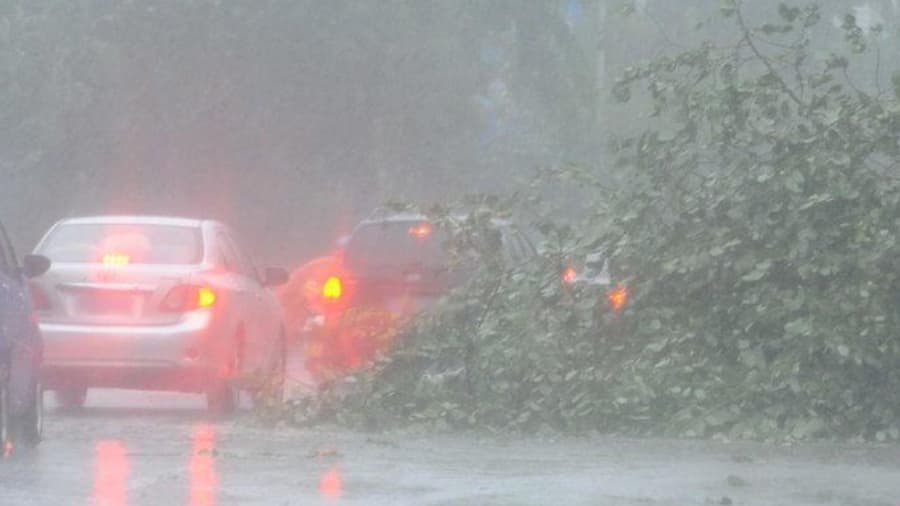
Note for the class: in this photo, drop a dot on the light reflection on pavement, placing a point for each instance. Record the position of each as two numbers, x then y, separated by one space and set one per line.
111 471
330 484
146 448
203 478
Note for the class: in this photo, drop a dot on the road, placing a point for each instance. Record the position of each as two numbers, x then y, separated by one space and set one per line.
139 448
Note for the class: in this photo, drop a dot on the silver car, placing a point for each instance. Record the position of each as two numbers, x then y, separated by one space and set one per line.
155 303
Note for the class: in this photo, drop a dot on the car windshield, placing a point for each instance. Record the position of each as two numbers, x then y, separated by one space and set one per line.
123 244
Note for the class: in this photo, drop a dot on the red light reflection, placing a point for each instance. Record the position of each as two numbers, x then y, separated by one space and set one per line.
203 477
7 449
331 485
569 275
618 298
111 469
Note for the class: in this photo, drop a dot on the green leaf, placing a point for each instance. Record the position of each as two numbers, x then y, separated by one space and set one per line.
798 327
812 427
727 7
656 346
787 13
758 272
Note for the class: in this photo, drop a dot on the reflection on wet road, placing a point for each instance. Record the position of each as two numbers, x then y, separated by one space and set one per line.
144 448
330 484
133 448
203 479
111 470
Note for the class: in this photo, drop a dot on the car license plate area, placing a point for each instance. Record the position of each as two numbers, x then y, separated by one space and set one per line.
109 303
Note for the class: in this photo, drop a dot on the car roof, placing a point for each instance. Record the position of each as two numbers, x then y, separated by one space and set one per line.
133 219
406 217
394 218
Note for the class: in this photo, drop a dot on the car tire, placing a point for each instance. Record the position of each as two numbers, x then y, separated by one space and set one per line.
221 399
71 399
223 396
29 427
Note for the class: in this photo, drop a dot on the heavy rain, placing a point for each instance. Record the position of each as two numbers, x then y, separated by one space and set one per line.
480 252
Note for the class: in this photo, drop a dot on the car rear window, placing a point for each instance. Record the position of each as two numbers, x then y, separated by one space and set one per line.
395 245
124 244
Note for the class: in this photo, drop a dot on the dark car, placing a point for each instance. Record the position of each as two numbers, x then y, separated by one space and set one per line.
593 277
389 268
21 394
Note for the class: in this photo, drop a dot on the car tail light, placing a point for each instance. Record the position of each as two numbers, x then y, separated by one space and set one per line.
617 298
188 297
39 299
205 297
420 231
333 288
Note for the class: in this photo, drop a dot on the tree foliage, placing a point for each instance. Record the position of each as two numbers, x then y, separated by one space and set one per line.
757 225
320 109
763 226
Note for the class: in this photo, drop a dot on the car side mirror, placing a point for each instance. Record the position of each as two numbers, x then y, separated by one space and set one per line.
35 265
275 276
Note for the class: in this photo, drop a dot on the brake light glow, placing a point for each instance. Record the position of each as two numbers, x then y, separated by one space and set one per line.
116 259
188 298
617 298
205 297
569 275
332 288
420 231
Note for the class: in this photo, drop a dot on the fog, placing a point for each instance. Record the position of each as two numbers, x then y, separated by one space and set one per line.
698 261
288 119
291 119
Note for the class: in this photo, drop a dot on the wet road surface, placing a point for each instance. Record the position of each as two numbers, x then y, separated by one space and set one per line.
141 448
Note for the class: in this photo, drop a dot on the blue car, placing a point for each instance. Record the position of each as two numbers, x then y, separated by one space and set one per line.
21 394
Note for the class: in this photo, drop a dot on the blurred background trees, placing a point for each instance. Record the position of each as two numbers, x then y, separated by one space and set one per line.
291 118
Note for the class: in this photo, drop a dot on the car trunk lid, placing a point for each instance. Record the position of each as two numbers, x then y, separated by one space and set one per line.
96 294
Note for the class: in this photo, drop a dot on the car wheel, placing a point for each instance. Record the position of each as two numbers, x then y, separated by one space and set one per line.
29 428
71 399
223 396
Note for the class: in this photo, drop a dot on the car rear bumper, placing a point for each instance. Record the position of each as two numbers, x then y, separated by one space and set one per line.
138 376
178 357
